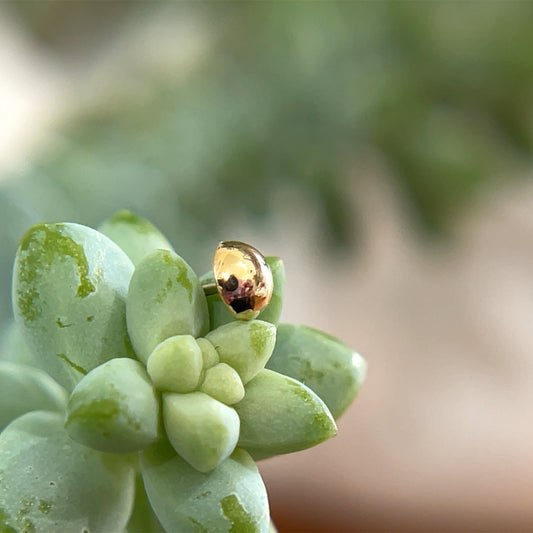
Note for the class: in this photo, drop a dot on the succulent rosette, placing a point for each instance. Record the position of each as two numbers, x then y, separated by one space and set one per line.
131 401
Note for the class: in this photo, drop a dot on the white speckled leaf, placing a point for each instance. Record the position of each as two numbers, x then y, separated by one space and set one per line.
24 389
280 415
326 365
230 499
165 299
69 289
49 483
135 235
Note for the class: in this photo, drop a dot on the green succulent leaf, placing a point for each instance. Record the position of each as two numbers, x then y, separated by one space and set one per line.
24 389
244 345
176 364
135 235
49 482
230 499
209 354
69 289
280 415
326 365
223 383
114 408
219 313
201 429
165 299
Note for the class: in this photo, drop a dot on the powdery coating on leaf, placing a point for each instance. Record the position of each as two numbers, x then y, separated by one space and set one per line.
50 483
201 429
231 499
39 248
114 408
71 272
280 415
321 362
164 299
24 388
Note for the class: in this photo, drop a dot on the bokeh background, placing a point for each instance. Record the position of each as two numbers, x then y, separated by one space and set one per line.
383 149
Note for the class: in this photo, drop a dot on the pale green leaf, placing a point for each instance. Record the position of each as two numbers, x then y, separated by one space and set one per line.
327 366
164 299
50 483
176 364
280 415
24 389
244 345
69 289
223 383
230 499
135 235
114 408
201 429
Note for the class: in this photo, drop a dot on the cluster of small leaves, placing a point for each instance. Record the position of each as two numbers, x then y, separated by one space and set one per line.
123 379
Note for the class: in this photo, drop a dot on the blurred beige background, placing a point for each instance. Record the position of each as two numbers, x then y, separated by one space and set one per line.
440 437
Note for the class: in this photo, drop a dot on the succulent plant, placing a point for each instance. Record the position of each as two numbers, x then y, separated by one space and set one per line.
131 401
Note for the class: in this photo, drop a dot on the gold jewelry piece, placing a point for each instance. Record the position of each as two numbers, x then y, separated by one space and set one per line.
242 278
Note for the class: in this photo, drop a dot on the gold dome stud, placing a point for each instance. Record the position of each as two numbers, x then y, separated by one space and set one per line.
243 278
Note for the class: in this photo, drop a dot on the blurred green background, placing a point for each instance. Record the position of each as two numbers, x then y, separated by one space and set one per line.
206 114
287 94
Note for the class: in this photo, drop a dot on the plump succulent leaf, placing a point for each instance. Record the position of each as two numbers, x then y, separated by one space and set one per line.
24 389
219 313
244 345
114 408
326 365
165 299
223 383
230 499
280 415
69 289
209 354
201 429
176 364
135 235
51 483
